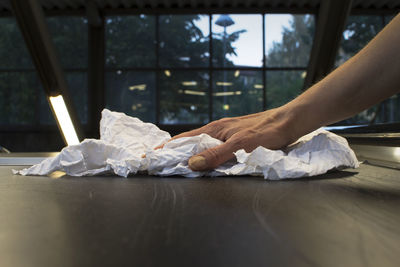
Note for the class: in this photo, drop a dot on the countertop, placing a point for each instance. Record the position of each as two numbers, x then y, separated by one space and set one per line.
343 218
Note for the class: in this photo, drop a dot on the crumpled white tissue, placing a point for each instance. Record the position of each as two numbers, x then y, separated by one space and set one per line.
124 140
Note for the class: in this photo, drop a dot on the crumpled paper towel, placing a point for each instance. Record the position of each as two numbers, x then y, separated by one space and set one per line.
124 139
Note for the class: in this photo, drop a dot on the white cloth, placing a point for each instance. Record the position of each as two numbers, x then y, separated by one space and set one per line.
124 140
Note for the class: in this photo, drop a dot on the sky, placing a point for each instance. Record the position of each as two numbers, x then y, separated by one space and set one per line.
249 46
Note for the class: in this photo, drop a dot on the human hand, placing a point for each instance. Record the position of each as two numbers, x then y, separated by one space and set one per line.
269 129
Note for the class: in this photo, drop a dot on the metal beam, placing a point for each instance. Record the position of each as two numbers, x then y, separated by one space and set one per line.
93 14
331 20
32 23
96 89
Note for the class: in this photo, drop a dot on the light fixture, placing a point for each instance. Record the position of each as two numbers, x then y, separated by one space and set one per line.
227 93
225 107
64 120
189 83
191 92
139 87
237 73
223 83
167 73
303 74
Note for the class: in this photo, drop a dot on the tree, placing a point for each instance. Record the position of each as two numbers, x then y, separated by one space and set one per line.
293 51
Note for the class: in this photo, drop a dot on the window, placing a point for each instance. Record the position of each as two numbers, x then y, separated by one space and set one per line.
130 65
359 30
237 40
288 43
184 40
20 103
170 69
22 100
70 37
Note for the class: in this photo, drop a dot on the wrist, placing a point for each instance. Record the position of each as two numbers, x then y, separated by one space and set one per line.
296 120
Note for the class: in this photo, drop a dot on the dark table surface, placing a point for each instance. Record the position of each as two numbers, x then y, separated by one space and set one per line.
346 218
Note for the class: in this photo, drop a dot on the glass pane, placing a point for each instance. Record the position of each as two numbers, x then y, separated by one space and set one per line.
132 92
184 40
359 30
70 37
283 86
387 111
288 39
13 51
184 97
45 115
389 18
19 98
237 93
78 89
130 41
237 40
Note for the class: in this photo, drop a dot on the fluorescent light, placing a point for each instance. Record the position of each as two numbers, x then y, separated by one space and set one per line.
191 92
258 86
64 120
139 87
227 93
186 59
189 83
167 73
224 83
237 73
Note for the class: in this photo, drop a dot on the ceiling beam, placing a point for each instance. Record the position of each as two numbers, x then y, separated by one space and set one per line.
331 20
93 14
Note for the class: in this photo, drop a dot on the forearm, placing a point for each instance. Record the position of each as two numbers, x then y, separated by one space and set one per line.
366 79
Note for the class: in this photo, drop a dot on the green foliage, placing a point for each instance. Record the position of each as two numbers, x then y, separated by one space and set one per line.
294 50
182 43
358 32
222 46
70 37
130 41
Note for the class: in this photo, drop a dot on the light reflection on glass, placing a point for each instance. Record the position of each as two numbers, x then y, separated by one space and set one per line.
184 97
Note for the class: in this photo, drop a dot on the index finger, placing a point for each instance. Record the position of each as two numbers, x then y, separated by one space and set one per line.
185 134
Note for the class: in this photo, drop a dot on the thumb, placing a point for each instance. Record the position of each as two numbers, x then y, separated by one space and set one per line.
213 157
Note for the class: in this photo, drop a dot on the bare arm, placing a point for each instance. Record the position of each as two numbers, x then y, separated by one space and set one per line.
369 77
364 80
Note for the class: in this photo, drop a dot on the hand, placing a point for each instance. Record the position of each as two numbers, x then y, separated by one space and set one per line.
268 129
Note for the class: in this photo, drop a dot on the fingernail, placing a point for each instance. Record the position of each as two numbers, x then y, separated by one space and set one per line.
197 163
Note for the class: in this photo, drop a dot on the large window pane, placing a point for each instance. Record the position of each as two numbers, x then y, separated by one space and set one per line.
130 41
184 40
359 30
288 39
13 51
237 93
70 37
77 84
283 86
387 111
184 97
132 92
18 98
237 40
